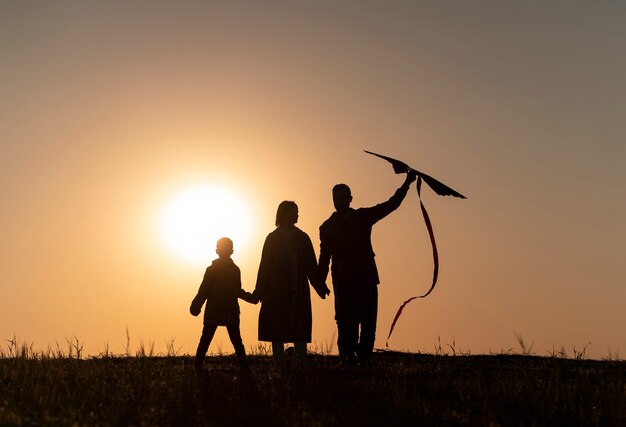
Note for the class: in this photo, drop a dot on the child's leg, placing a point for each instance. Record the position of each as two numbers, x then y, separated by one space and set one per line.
278 354
235 339
300 350
203 346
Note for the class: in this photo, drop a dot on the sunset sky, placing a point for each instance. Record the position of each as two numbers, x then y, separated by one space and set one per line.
109 111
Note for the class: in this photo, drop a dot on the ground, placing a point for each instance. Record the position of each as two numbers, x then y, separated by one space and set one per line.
402 389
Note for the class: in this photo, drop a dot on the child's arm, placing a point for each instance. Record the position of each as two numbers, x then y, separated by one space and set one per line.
248 297
196 306
201 296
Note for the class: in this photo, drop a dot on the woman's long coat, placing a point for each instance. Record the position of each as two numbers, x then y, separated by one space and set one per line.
287 265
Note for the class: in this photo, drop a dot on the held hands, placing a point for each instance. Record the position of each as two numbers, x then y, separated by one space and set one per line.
248 297
322 290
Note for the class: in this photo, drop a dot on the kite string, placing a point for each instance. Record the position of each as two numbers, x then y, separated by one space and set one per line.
435 259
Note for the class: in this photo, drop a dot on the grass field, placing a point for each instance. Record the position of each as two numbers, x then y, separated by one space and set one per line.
403 389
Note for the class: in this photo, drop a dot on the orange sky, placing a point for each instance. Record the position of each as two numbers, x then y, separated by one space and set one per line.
109 109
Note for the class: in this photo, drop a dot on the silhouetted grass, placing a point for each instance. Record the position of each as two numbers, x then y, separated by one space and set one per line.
403 389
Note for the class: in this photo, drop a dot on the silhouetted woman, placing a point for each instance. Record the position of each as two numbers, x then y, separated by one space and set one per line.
287 266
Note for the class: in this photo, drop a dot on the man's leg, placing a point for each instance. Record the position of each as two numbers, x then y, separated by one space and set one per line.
368 325
278 354
235 338
347 323
300 350
203 346
347 341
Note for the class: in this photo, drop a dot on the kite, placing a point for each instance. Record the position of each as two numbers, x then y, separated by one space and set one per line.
442 190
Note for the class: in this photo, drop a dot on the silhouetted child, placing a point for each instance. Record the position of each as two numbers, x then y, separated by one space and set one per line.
220 288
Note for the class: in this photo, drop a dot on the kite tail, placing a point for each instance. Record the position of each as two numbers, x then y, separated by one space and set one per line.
431 233
395 319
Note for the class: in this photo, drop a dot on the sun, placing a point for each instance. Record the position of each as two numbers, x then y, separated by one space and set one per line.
195 217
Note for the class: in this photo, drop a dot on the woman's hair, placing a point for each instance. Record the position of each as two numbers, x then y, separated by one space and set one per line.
285 213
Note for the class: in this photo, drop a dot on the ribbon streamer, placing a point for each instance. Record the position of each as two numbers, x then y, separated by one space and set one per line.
431 233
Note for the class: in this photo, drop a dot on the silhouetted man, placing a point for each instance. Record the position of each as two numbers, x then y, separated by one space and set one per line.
345 238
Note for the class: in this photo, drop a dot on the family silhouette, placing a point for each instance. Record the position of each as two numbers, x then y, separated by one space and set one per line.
287 268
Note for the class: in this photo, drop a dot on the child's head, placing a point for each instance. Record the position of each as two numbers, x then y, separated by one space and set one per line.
224 247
